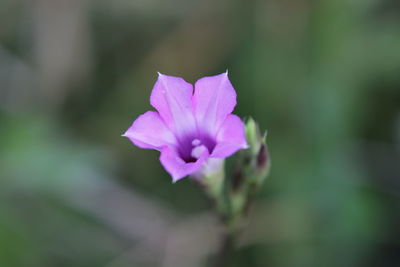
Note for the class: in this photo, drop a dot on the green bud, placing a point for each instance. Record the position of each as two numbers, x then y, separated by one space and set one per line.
256 160
253 135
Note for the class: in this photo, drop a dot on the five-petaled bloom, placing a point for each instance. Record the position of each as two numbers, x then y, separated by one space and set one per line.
191 130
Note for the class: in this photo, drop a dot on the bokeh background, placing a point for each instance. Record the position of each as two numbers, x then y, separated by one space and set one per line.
322 76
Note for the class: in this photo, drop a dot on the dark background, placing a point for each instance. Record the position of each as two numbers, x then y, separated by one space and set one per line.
322 76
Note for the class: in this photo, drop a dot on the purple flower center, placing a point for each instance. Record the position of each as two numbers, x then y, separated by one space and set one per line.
192 147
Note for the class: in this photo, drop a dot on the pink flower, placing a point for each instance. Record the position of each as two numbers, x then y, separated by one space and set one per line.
190 129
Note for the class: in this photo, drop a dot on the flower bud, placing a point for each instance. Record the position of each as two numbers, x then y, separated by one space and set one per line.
256 160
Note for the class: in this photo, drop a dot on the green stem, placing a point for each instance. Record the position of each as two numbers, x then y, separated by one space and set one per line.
226 247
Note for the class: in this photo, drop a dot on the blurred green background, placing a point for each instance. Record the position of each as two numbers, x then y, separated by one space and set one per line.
322 76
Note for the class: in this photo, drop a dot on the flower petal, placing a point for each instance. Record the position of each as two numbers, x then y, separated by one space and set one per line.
149 131
178 168
172 97
214 98
230 137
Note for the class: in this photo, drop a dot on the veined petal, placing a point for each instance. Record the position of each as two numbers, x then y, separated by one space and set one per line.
230 138
149 131
172 97
177 167
214 98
